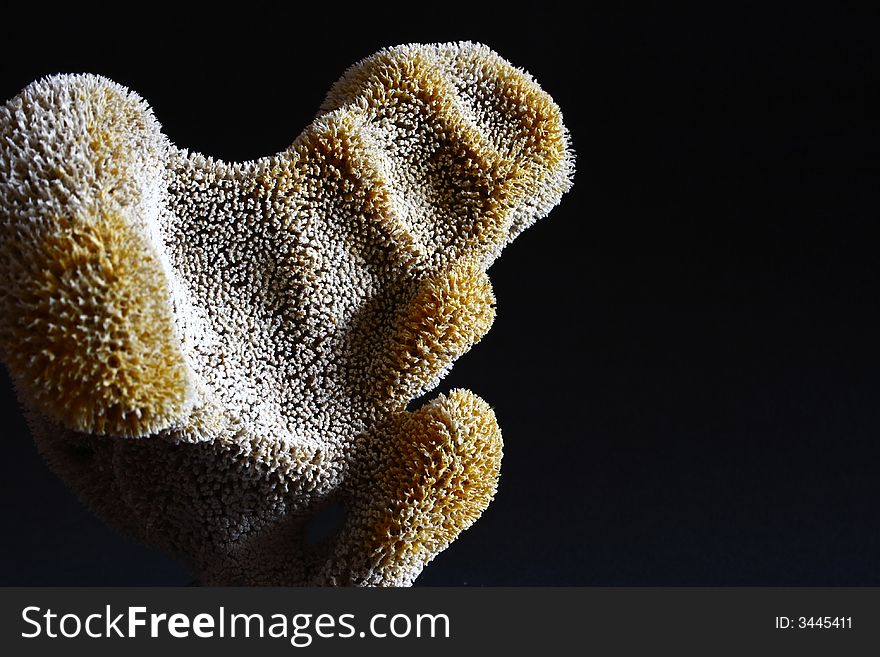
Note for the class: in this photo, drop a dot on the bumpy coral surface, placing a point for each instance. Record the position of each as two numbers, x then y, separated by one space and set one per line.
211 353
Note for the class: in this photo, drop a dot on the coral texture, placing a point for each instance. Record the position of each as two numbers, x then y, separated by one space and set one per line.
211 353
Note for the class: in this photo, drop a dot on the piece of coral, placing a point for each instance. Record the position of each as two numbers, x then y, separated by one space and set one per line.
211 353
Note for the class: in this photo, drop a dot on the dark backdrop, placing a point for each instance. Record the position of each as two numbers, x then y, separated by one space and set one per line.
685 361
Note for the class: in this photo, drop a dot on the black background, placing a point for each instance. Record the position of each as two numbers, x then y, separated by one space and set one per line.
685 361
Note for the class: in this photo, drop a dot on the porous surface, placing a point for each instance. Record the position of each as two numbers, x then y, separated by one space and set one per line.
212 353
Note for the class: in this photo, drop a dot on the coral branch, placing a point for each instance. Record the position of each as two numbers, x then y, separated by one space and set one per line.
211 353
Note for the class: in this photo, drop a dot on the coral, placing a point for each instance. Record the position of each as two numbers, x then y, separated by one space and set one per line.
211 353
